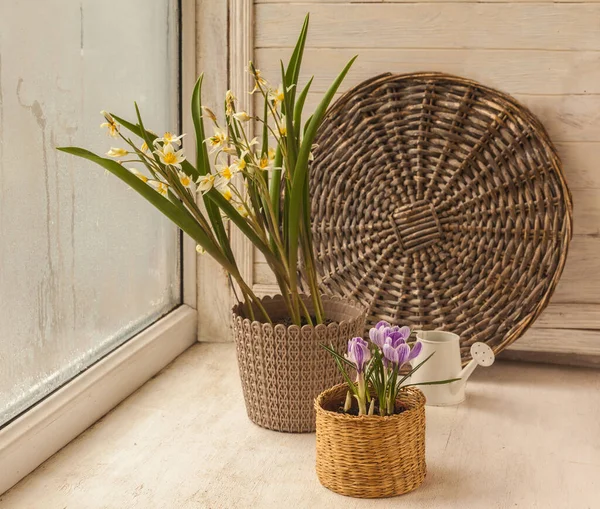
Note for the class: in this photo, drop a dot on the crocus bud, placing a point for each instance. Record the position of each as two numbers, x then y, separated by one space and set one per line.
348 403
372 407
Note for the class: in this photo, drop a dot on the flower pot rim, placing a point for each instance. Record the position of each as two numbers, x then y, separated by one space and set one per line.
328 300
331 414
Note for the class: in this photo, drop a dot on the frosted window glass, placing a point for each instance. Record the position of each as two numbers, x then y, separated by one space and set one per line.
85 263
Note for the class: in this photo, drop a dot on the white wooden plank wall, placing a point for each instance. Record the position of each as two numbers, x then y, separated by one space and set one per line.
546 54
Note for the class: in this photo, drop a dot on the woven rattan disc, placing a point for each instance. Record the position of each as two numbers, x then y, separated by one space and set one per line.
439 203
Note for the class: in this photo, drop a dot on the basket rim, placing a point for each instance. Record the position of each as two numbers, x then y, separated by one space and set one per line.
360 313
329 414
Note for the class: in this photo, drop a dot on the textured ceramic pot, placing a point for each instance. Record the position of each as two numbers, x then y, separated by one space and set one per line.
370 456
284 368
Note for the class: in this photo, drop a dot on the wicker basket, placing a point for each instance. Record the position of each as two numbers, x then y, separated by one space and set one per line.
370 456
283 369
441 204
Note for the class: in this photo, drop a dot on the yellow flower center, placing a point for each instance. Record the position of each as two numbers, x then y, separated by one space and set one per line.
170 158
226 173
168 137
263 163
227 194
185 180
241 164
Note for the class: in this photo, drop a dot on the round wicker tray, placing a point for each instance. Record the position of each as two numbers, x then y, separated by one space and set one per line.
439 203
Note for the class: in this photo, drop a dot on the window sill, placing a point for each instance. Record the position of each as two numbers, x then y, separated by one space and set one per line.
51 424
525 436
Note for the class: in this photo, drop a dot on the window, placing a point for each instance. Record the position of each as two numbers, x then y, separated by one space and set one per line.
85 263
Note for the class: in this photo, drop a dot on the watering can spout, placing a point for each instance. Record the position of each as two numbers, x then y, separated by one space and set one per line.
482 355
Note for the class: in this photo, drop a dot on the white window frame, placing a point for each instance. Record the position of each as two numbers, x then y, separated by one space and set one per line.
33 437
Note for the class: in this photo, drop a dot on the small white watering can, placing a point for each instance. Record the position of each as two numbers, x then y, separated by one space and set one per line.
445 364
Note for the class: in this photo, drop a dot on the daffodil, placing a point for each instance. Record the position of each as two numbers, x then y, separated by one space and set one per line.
282 127
277 95
117 152
242 116
227 172
206 183
229 103
240 164
241 208
170 139
263 164
209 113
139 174
200 249
218 140
185 179
112 126
161 187
169 157
259 81
226 192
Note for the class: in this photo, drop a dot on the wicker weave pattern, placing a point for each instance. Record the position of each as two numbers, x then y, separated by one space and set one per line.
439 203
283 369
370 457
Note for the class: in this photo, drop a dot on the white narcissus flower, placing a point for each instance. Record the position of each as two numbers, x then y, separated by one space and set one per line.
144 147
242 116
240 164
242 210
200 249
169 139
277 95
226 192
271 153
169 157
264 162
113 128
161 187
217 140
258 79
139 174
117 152
185 179
206 183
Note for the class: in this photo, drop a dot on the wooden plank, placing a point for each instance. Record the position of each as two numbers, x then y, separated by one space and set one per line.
537 72
581 164
579 283
408 1
569 316
568 118
429 25
214 296
570 346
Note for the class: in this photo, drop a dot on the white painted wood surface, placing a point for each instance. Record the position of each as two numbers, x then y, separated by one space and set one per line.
527 436
214 295
54 422
545 54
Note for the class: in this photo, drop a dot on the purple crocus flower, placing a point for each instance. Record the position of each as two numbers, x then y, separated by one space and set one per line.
358 353
383 330
378 333
400 353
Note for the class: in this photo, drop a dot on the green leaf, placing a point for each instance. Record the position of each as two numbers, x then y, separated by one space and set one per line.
300 174
300 106
182 218
437 382
203 167
293 68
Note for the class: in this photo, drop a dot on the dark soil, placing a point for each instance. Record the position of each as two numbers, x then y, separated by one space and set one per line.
354 410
